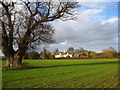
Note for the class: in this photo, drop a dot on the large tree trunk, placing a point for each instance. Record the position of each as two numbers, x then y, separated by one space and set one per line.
14 58
14 61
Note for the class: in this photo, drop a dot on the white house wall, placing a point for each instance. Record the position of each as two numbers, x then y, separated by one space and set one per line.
59 56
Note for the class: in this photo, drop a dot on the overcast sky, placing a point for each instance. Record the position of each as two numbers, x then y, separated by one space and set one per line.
95 28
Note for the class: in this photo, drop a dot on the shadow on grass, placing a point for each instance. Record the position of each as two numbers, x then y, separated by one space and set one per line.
115 62
30 67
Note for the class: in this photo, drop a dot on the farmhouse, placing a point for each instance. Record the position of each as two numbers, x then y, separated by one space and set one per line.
63 55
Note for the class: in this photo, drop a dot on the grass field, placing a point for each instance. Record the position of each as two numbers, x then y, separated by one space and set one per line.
89 73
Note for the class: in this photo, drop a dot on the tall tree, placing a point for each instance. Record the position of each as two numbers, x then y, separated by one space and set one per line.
44 53
109 52
70 50
25 25
56 51
82 49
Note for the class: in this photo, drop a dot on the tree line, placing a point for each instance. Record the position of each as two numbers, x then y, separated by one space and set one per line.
110 52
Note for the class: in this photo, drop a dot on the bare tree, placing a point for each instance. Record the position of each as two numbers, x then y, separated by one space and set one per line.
109 52
25 25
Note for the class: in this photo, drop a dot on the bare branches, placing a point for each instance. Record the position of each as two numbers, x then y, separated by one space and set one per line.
26 23
48 11
27 5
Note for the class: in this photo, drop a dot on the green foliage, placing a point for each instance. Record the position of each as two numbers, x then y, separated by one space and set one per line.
92 73
33 55
45 54
95 54
52 56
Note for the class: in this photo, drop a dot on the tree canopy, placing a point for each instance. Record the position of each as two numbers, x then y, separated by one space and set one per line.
25 25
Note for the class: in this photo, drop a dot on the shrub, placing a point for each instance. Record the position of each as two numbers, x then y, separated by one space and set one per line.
33 55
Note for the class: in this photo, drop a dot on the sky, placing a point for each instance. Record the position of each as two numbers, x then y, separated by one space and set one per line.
96 28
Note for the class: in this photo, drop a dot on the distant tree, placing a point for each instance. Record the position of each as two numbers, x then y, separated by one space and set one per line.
70 50
118 53
89 53
93 53
33 55
48 56
45 54
77 51
109 52
81 49
56 52
52 56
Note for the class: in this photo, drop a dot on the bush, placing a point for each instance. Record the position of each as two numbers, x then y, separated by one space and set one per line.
33 55
26 56
52 56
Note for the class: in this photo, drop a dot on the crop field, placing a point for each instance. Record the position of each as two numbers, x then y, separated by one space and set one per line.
83 73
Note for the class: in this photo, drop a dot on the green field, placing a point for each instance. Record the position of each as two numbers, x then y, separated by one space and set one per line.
84 73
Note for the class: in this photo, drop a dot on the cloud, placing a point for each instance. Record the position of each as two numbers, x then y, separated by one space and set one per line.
89 31
96 5
112 20
97 0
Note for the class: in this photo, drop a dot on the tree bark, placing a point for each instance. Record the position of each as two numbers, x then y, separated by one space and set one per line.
11 26
14 61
